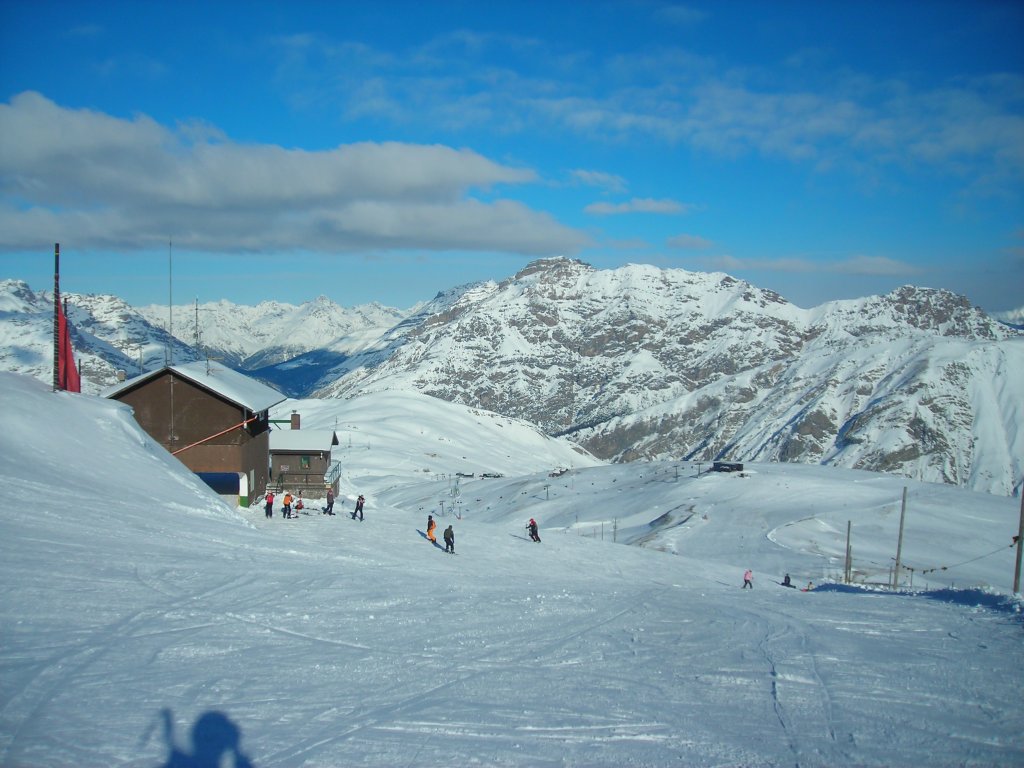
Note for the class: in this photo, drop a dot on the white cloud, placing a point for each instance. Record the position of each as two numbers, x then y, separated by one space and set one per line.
608 181
689 242
969 128
875 266
638 205
104 181
879 266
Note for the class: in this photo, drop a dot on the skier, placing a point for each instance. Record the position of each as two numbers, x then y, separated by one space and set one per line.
532 528
359 508
449 540
329 509
786 582
431 525
269 509
298 504
287 511
748 579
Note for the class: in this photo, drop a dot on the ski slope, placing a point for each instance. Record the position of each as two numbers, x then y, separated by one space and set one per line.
145 623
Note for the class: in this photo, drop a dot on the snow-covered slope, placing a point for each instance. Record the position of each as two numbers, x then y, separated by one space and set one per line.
145 623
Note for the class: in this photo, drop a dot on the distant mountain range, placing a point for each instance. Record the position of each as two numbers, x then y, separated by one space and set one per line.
632 363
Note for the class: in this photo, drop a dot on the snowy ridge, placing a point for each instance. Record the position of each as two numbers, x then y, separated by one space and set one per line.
633 363
139 609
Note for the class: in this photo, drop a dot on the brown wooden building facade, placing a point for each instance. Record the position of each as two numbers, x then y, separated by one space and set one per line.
214 419
301 462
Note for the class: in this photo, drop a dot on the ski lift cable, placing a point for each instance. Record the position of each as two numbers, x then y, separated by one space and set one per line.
965 562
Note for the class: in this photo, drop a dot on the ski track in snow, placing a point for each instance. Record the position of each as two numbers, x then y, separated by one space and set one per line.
333 643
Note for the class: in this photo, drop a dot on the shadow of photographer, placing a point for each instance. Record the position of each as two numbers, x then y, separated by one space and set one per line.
214 736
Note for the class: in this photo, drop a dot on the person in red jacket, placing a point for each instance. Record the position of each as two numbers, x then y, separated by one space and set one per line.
269 509
532 528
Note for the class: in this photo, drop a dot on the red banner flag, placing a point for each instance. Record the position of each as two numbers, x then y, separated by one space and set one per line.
67 373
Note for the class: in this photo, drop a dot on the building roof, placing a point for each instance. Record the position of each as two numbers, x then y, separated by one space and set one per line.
229 384
302 440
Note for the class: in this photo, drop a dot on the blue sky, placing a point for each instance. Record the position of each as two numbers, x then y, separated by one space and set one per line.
386 151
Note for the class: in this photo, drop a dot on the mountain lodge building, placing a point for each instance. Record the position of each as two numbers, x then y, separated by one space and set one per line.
300 460
215 420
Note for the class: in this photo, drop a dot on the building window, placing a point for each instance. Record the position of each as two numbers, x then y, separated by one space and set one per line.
304 462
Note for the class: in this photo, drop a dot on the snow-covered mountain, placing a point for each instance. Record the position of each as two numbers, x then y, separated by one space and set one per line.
106 333
109 335
270 332
632 363
641 362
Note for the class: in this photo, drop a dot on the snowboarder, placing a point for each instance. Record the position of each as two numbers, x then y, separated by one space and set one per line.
287 510
431 525
298 504
786 582
449 540
269 509
532 528
748 579
359 508
329 509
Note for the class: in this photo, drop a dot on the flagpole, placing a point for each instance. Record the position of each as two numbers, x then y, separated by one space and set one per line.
56 316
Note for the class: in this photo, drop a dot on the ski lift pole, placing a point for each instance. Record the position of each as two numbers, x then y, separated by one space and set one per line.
899 543
1020 544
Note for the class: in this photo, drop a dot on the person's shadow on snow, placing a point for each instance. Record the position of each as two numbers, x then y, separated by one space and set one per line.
214 737
421 533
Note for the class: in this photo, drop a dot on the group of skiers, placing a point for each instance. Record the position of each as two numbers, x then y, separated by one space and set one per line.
290 506
288 512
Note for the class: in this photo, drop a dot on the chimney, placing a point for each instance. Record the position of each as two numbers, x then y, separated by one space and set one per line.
295 419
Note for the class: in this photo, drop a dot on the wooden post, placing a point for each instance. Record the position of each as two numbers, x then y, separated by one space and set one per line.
899 544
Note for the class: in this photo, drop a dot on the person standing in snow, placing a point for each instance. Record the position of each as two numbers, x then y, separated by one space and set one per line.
431 525
287 509
532 528
329 509
449 540
359 508
269 509
748 579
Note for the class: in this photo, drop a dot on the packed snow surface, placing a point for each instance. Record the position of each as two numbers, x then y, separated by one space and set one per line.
146 623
